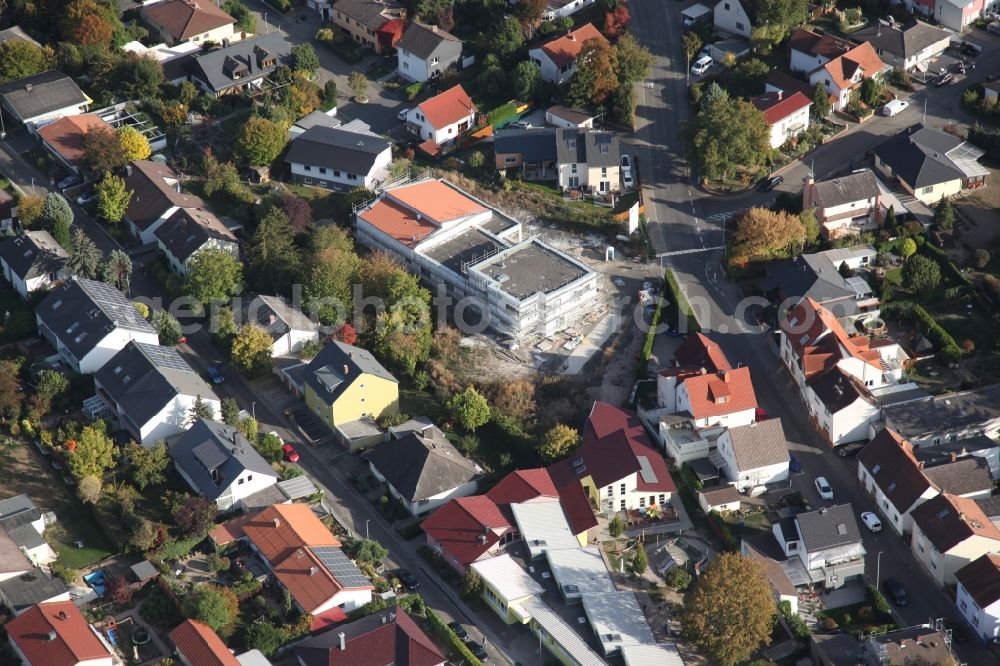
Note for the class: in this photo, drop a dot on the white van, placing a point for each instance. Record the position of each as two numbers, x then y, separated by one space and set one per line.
701 65
894 107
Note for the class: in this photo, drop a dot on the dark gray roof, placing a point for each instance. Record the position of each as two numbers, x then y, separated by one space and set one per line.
326 371
16 515
422 467
536 144
212 455
899 40
369 12
828 527
82 312
938 453
917 155
424 40
317 117
337 148
42 93
759 444
846 189
215 67
16 33
31 588
591 147
143 379
835 389
144 570
945 412
813 276
962 477
788 530
276 315
33 254
990 506
189 229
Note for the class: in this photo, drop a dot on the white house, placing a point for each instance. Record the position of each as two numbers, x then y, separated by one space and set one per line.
289 328
588 160
949 532
189 231
556 9
340 158
557 57
827 543
847 205
220 464
178 21
754 455
156 195
977 595
39 99
151 391
809 50
908 46
441 119
724 398
24 524
731 17
844 74
892 476
88 322
563 116
786 116
32 261
425 51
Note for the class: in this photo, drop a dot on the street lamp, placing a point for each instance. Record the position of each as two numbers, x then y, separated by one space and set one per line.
266 26
367 520
3 130
253 410
878 567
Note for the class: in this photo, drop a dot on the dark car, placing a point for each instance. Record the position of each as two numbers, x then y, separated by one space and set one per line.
459 630
477 649
794 465
895 591
408 580
215 374
958 633
69 181
771 183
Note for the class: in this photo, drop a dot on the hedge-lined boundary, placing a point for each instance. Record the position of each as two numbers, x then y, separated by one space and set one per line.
683 307
446 632
647 347
941 338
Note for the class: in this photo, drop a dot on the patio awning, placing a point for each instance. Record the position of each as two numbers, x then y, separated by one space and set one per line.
966 158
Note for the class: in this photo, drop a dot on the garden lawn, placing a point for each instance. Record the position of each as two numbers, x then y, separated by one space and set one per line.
839 615
325 204
756 523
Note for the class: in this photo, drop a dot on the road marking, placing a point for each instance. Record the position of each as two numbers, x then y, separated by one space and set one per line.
722 217
693 250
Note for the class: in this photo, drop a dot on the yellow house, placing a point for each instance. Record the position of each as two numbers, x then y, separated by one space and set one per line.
348 389
507 588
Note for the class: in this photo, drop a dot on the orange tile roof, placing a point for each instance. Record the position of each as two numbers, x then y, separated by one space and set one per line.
436 200
565 50
950 520
700 351
815 44
309 582
398 222
279 530
66 134
448 107
200 646
74 640
231 530
184 19
863 56
776 106
820 341
721 393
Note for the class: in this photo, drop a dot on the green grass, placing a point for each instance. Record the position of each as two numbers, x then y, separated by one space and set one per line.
326 205
231 125
839 615
75 522
682 306
414 402
756 523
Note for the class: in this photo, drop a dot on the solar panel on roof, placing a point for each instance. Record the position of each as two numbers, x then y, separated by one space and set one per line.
165 357
300 486
209 455
646 470
340 566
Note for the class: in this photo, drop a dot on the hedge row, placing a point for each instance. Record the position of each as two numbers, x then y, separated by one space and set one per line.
947 266
683 307
501 114
724 531
941 339
444 631
647 347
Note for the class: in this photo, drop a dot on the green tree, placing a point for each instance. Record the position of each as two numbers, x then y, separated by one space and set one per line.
61 233
508 38
776 19
470 408
265 637
692 44
981 258
890 220
908 248
113 197
921 275
251 349
871 91
117 270
638 563
358 82
145 535
134 144
245 20
820 101
472 585
147 465
50 385
525 79
260 141
94 453
201 410
230 411
558 441
30 208
725 136
57 211
10 389
730 611
328 284
677 578
167 326
476 159
402 335
20 59
270 447
596 75
713 93
103 150
304 58
89 489
944 214
369 551
138 77
214 605
213 275
85 258
634 60
763 234
273 257
810 226
194 515
616 527
248 428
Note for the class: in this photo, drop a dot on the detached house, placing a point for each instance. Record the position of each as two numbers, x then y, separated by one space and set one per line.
156 195
189 231
88 322
32 261
57 634
952 14
386 638
588 160
845 206
39 99
63 138
531 150
176 21
557 57
735 17
239 67
908 47
809 50
890 472
289 328
440 120
977 595
949 532
787 116
376 24
339 158
425 51
836 63
754 455
198 645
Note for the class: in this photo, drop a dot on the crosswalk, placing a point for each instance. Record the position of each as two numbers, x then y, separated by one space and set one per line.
719 218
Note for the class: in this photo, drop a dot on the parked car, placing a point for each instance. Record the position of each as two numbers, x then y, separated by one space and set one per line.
848 450
823 488
408 580
216 375
793 464
945 79
86 197
894 107
701 65
69 181
402 114
871 521
291 455
771 183
895 591
994 28
971 50
477 649
459 630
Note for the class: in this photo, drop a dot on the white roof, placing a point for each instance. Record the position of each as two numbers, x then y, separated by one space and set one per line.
966 158
661 654
562 633
253 658
161 52
617 620
543 525
504 575
579 571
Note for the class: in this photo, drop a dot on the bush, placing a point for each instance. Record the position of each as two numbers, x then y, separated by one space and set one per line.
445 632
681 304
866 613
158 608
502 114
948 268
411 91
829 623
941 339
724 531
878 601
798 626
677 578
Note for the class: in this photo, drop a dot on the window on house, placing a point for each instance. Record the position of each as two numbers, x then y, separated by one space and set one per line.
963 605
306 167
240 482
622 489
572 168
739 26
663 498
510 159
322 169
975 620
249 477
611 491
642 502
434 61
336 174
622 505
927 190
406 65
727 6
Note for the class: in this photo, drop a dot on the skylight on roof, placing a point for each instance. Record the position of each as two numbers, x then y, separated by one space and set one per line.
876 468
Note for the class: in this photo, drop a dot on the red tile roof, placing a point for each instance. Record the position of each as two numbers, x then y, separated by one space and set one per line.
522 485
308 581
281 529
397 222
565 50
813 331
720 393
575 503
183 19
74 640
614 444
387 638
459 525
448 107
981 579
699 351
949 520
200 646
863 56
815 44
66 134
436 200
776 106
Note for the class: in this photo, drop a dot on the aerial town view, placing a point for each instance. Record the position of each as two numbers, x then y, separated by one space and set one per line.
500 332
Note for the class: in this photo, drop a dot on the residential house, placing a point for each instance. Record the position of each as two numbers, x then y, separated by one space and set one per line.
827 543
722 398
556 9
41 98
588 160
322 119
440 120
175 21
845 206
88 322
764 549
890 472
63 138
786 116
151 391
156 195
955 15
950 532
947 417
754 455
578 572
618 620
977 595
32 261
423 472
836 63
288 327
23 525
817 276
809 50
57 634
557 57
564 116
220 464
523 288
236 68
907 46
425 51
197 644
345 385
36 586
386 638
377 24
339 158
189 231
532 151
506 587
922 644
930 164
735 17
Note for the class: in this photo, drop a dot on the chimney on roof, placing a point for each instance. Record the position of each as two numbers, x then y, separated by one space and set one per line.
128 170
434 28
963 451
62 615
822 511
313 570
343 641
277 521
383 618
725 376
920 464
346 369
953 456
704 371
781 95
52 635
571 37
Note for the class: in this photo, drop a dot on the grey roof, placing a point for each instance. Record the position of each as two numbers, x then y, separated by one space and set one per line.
31 588
944 413
337 148
142 379
82 312
326 371
42 93
16 33
275 315
917 156
846 189
421 467
16 515
760 444
828 527
813 276
297 487
962 477
536 144
424 40
317 117
899 40
990 506
189 229
570 114
938 453
369 12
212 455
33 254
591 147
144 570
835 389
215 67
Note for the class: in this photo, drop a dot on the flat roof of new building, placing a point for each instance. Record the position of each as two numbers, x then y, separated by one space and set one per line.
504 575
661 654
617 620
499 223
531 267
579 571
543 525
466 249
